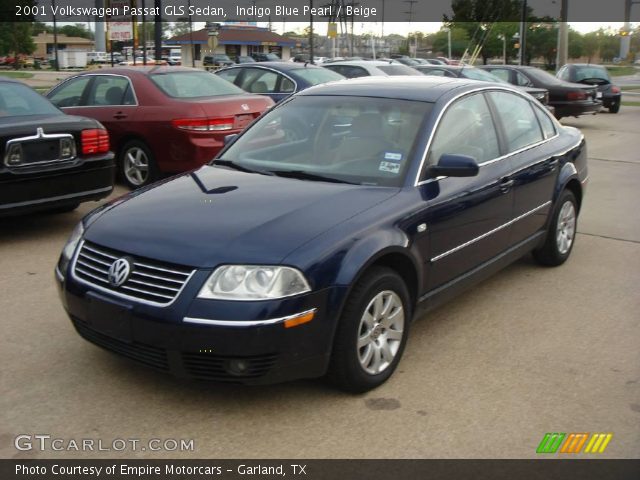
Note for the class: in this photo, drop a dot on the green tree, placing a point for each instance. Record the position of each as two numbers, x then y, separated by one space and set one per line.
15 37
77 30
459 41
590 45
576 44
542 41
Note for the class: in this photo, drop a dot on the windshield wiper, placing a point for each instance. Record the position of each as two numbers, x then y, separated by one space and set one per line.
240 168
302 175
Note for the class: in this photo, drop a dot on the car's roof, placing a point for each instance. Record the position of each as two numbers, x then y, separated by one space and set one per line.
141 70
282 65
364 63
419 88
585 65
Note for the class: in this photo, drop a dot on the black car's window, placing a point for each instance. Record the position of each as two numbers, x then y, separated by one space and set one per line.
563 73
518 120
362 140
466 128
17 99
591 72
548 128
191 84
286 85
522 80
230 75
110 90
502 74
69 94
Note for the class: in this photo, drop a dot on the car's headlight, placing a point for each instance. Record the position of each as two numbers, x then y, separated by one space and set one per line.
70 247
253 282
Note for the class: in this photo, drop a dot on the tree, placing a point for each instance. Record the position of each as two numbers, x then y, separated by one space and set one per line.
77 30
590 45
576 44
15 37
542 41
459 41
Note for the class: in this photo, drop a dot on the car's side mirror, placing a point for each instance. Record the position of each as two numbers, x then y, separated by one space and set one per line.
454 165
230 139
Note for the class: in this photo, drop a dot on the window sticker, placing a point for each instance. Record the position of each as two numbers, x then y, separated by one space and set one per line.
390 167
393 156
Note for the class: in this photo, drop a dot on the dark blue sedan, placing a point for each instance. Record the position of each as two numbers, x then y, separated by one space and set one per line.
309 253
277 80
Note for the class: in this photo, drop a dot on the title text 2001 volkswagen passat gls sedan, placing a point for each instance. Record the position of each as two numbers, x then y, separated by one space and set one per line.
309 245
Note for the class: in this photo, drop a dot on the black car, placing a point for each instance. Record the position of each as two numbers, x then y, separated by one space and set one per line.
568 99
266 57
472 73
216 60
240 59
50 160
597 75
301 255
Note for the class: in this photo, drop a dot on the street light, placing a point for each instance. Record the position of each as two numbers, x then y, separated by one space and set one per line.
448 30
504 48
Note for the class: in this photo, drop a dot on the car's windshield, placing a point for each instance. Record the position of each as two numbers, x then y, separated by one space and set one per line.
316 76
591 72
362 140
193 84
477 74
398 69
17 99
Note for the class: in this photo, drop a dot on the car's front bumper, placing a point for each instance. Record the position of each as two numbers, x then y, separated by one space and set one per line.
191 339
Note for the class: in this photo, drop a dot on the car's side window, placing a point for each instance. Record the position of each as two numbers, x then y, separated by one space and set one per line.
109 90
354 72
519 121
436 72
230 75
70 93
563 74
466 128
548 128
258 80
502 74
522 80
286 85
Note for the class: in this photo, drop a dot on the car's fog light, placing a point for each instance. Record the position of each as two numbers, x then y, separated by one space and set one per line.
238 367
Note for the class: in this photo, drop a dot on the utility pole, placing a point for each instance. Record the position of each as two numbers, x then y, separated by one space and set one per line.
563 35
625 37
55 37
158 31
523 34
311 32
101 45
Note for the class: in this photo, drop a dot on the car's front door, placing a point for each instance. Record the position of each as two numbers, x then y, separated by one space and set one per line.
466 217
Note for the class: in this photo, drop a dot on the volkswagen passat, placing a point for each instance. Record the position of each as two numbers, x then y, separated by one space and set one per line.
302 255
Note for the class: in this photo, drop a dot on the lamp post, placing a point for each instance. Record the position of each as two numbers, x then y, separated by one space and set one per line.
523 34
448 30
504 48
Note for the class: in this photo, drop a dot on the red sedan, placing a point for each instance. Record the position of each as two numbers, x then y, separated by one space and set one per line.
160 119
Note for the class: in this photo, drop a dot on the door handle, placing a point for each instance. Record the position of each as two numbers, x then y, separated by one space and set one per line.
506 183
120 115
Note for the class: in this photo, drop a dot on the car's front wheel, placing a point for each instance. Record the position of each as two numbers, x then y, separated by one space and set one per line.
561 233
615 108
372 332
137 165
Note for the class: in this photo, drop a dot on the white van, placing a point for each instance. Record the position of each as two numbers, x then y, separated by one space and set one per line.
97 57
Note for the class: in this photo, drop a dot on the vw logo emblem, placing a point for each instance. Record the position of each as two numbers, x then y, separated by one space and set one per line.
244 107
119 272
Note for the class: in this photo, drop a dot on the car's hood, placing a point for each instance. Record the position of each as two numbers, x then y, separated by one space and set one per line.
215 215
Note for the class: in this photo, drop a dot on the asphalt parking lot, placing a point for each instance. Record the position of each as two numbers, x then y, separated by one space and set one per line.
529 351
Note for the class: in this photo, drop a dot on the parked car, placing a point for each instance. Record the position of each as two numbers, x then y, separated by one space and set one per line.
161 119
301 58
244 59
472 73
292 257
364 68
568 99
216 60
277 80
97 57
266 57
405 60
589 74
50 160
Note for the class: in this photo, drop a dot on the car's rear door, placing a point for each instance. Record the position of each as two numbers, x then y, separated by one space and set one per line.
527 133
466 218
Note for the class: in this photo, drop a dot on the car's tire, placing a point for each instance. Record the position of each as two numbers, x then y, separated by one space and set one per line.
614 108
561 232
372 332
137 166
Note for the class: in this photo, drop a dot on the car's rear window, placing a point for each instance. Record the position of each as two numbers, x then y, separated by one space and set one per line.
193 85
316 76
591 71
17 99
398 70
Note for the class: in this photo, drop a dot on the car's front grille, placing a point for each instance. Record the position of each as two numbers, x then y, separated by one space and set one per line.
151 356
150 281
209 366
